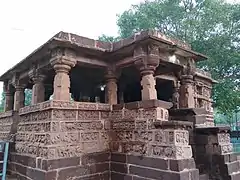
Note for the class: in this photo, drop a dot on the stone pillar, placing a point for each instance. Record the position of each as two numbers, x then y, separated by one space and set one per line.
19 97
148 83
38 89
147 60
8 104
62 61
111 87
187 88
175 96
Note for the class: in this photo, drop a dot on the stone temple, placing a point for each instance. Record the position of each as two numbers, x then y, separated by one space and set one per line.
136 109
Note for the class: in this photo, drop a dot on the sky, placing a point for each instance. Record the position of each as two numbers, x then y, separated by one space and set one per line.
27 24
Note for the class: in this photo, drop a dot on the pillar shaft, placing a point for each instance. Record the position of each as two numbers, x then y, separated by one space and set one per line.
111 85
63 59
19 97
38 90
111 89
61 83
148 83
187 92
8 92
8 104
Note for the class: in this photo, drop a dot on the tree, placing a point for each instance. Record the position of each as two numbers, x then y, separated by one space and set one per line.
2 102
106 38
212 27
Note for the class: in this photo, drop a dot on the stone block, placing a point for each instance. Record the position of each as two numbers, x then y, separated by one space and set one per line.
150 162
59 163
180 165
119 167
117 157
95 158
118 176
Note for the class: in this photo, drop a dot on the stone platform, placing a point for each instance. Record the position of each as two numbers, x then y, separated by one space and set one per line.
58 140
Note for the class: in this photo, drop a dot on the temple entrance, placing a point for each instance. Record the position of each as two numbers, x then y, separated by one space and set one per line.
165 89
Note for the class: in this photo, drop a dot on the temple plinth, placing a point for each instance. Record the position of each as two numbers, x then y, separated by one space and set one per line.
152 121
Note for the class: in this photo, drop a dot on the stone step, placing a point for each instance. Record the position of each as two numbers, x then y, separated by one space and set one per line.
203 177
233 167
235 175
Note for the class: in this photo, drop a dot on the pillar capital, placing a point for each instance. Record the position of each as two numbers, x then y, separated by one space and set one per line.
111 73
188 73
63 59
6 87
146 58
36 75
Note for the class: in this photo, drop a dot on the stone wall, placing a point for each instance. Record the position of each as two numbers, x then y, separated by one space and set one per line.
58 140
56 129
145 145
61 140
6 121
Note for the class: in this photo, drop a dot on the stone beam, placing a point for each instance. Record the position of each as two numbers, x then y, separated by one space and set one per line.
125 62
91 61
166 77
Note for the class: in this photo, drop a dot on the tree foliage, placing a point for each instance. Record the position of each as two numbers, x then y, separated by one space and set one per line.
212 27
106 38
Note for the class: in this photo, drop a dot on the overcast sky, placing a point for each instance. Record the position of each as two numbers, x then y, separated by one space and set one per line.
26 24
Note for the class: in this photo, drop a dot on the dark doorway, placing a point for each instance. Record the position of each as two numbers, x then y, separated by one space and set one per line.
164 89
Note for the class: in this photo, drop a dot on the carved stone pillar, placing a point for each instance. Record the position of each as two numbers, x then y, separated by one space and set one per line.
147 60
187 88
175 96
62 61
8 104
111 87
38 89
19 97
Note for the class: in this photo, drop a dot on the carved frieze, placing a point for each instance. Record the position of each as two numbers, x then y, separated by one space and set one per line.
64 104
88 115
131 113
124 135
86 125
64 114
123 124
63 138
140 125
90 136
144 136
172 152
